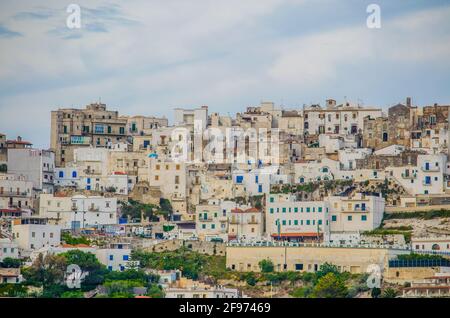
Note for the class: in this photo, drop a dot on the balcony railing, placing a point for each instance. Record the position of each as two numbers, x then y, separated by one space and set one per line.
431 168
14 194
93 209
409 175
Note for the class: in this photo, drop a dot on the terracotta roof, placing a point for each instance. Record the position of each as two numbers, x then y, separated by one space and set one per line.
237 211
252 210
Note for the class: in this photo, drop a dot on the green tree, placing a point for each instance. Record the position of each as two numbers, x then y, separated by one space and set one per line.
330 286
89 263
251 279
389 293
302 292
72 294
266 266
327 268
46 271
375 292
155 291
9 262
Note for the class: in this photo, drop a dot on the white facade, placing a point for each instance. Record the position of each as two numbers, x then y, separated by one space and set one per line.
79 211
289 218
8 249
348 156
116 258
425 178
35 164
355 214
431 244
342 119
35 233
15 192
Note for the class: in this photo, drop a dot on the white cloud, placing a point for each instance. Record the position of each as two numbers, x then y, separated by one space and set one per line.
314 59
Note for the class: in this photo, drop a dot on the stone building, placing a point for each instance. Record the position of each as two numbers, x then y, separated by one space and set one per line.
380 162
93 126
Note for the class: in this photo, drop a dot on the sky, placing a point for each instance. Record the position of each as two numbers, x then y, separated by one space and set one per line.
147 57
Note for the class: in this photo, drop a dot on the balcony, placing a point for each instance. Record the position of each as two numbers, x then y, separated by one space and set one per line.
93 209
14 194
253 222
357 210
425 183
409 175
431 168
208 219
90 172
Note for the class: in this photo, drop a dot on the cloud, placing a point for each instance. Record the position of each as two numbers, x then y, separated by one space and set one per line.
7 33
315 59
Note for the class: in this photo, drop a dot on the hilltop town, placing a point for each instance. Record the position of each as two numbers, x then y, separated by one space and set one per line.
332 200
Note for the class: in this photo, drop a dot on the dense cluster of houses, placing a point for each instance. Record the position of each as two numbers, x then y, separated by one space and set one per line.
265 175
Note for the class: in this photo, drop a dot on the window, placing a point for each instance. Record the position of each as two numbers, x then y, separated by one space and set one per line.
111 257
284 222
319 209
298 267
320 222
284 210
271 210
213 226
308 222
295 222
239 179
295 210
61 174
125 257
349 218
272 199
99 129
156 178
203 226
363 217
122 130
333 218
74 174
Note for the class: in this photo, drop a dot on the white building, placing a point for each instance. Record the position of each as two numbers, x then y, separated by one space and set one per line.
16 192
35 164
425 178
33 233
258 181
348 157
288 218
246 224
190 116
211 221
8 249
431 244
79 211
337 119
351 215
117 257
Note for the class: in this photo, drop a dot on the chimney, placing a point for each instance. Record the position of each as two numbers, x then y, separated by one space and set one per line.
331 103
408 101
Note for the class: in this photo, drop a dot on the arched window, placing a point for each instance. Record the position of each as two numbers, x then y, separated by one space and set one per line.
74 174
435 247
61 174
